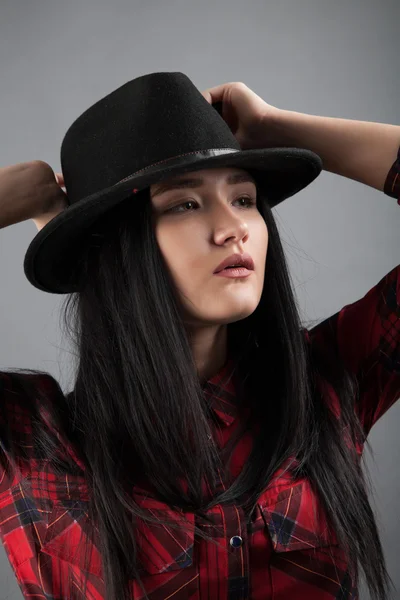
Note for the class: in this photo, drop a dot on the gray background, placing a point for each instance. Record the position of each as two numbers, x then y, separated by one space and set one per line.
321 57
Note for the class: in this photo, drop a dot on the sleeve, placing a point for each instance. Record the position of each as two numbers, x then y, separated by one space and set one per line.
392 183
21 414
366 336
14 422
24 509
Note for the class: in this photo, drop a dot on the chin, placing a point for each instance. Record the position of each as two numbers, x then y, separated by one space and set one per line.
227 317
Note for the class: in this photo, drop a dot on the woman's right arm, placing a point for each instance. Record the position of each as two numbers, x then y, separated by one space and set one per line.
30 190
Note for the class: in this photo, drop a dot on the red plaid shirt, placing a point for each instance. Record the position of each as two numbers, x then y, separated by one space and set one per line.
282 554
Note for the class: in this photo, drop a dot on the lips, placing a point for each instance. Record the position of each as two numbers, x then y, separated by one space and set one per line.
241 260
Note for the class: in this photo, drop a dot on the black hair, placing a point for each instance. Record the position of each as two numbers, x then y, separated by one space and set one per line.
137 408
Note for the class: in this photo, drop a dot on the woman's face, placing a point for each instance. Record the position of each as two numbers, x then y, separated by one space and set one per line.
200 224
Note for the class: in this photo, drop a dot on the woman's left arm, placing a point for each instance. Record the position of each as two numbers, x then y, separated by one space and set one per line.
360 150
366 333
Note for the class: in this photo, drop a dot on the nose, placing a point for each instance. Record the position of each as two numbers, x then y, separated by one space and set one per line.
226 223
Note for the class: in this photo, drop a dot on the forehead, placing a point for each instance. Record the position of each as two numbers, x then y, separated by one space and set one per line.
202 177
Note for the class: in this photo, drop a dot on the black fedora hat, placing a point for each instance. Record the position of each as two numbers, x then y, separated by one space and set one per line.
152 127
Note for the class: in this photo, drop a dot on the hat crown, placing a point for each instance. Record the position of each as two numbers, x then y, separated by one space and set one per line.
145 121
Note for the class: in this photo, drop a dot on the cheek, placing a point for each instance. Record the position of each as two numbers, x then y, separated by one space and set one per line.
179 250
260 236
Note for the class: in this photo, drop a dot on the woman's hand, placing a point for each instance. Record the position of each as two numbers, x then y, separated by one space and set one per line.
60 179
250 118
30 190
60 203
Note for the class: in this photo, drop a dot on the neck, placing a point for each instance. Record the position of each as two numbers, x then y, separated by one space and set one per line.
209 347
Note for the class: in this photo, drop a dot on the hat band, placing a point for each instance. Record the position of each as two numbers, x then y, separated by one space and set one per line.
182 159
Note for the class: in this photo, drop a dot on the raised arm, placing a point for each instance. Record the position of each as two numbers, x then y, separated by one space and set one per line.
29 190
359 150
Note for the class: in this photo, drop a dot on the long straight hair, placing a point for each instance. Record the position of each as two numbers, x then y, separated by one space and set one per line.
138 410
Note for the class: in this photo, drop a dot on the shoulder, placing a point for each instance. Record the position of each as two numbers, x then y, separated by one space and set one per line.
23 392
25 398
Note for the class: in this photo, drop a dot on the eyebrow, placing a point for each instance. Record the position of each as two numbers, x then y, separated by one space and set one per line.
194 182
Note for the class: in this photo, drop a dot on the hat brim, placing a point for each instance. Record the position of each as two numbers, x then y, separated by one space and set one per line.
49 261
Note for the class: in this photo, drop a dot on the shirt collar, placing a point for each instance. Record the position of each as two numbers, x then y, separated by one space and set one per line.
221 393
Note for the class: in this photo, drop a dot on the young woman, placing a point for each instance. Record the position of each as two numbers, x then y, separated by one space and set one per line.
211 447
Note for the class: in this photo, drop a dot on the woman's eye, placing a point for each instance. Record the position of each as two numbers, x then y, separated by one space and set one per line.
249 202
180 205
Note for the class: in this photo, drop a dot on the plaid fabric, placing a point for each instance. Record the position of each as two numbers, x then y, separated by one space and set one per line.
282 554
392 183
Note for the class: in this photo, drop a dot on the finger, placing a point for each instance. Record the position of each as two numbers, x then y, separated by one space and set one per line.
60 179
216 93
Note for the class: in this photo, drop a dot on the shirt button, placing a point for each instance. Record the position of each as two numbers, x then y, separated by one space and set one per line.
236 541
